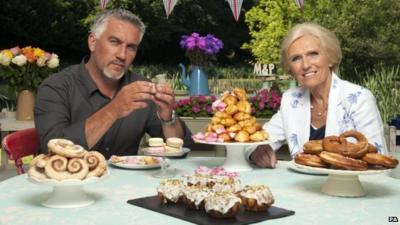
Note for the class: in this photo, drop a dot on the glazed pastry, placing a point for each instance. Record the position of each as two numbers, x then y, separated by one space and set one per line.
170 190
193 196
225 183
242 136
222 205
201 179
256 197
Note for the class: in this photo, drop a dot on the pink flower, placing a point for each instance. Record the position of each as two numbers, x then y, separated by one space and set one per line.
195 108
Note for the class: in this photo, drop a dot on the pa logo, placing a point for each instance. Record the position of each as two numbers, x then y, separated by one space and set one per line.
393 219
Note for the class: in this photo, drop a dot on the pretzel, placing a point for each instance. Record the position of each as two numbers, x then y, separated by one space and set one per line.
309 160
372 148
342 162
380 160
313 147
339 144
357 150
334 144
65 148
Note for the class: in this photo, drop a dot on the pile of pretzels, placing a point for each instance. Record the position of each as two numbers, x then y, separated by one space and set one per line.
67 160
232 120
338 153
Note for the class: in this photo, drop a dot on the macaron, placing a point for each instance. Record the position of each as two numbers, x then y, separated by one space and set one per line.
174 142
169 149
156 142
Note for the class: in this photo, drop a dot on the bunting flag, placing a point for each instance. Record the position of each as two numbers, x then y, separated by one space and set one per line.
169 6
103 4
236 6
299 3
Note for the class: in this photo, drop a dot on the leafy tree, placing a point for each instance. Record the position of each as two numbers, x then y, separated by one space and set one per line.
367 29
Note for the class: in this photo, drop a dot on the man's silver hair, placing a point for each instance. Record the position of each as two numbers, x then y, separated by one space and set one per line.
99 24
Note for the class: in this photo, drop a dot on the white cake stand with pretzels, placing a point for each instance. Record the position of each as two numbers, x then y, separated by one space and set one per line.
341 183
235 154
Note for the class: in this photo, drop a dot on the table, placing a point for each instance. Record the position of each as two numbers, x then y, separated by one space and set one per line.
20 199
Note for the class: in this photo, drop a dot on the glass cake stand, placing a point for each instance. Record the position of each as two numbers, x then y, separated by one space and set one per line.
67 193
341 183
235 154
166 172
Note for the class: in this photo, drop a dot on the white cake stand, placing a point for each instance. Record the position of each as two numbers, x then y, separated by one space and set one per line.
67 193
341 183
235 154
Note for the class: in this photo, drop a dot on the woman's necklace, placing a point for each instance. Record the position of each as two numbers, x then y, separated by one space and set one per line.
319 113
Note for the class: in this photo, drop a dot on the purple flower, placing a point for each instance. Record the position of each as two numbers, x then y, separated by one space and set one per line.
200 49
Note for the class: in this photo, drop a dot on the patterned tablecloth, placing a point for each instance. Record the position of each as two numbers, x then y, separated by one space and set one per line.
20 199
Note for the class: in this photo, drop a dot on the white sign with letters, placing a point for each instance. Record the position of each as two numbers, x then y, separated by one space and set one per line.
264 69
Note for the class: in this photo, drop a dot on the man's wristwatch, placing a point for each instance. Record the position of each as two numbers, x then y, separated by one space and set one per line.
171 121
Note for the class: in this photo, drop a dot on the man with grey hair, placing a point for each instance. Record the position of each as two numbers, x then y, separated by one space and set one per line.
99 104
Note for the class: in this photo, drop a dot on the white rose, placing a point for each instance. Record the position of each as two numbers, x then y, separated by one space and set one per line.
4 60
20 60
54 61
41 61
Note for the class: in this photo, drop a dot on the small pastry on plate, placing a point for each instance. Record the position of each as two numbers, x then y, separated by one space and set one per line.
256 197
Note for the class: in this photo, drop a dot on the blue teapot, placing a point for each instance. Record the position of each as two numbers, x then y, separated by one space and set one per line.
198 81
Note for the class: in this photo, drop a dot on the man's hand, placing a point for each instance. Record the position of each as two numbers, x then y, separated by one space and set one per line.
164 99
264 157
132 97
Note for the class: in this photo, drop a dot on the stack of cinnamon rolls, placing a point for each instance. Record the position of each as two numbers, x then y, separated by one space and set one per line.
338 153
67 160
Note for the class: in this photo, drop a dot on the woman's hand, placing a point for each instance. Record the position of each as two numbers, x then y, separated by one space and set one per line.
264 156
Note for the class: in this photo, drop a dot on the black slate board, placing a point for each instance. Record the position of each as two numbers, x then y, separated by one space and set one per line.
201 217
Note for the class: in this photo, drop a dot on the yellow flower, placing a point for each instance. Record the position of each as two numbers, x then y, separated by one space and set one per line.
38 52
7 53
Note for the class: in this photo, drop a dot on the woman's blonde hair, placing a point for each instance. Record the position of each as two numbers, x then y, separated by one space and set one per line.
329 43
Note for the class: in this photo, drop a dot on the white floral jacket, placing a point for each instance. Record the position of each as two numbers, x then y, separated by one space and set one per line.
350 107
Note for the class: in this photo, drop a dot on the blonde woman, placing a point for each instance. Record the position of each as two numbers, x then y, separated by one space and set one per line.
323 104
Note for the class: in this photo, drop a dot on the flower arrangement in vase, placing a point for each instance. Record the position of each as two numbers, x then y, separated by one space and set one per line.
201 49
25 68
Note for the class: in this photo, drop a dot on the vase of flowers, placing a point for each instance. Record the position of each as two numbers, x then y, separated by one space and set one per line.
24 69
201 50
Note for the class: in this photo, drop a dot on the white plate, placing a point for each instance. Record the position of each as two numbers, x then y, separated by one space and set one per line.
316 170
135 162
269 141
164 154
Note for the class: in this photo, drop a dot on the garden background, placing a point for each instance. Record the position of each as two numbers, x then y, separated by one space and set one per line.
368 31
